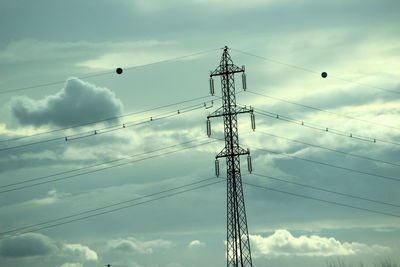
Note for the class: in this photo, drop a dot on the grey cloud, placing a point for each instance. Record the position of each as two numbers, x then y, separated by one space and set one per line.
142 247
35 244
77 102
27 245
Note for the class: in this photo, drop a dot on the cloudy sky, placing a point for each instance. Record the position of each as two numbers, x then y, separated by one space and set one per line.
98 168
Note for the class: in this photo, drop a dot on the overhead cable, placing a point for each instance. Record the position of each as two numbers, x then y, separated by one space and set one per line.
99 211
106 119
324 129
96 74
322 110
314 71
331 149
323 200
112 128
327 190
95 165
327 164
93 171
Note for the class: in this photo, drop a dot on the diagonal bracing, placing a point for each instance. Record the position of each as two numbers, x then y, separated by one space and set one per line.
238 246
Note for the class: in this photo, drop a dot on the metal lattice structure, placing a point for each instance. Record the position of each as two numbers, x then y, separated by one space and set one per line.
238 246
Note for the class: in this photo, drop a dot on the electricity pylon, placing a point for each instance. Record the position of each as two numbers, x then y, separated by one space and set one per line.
238 246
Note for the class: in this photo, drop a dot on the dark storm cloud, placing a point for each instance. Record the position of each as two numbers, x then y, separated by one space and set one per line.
77 102
27 245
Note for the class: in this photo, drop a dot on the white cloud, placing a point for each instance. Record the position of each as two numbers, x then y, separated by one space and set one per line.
83 251
283 243
143 247
77 102
196 243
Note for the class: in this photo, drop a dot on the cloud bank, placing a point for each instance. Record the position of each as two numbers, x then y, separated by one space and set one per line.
283 243
143 247
77 102
27 245
39 245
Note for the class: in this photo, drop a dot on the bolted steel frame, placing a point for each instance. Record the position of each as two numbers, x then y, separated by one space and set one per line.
238 251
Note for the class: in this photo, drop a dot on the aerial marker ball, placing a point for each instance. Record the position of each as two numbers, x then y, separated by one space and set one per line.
119 70
324 74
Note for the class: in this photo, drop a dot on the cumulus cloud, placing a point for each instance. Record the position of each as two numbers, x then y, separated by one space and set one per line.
27 245
196 243
283 243
77 102
143 247
82 251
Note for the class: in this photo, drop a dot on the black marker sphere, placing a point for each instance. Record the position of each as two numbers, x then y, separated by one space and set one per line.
119 70
324 74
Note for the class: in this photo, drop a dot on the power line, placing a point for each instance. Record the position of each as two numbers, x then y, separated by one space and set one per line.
112 127
313 71
333 150
327 190
323 200
160 116
107 119
328 164
322 163
324 129
96 74
276 61
92 171
318 127
314 126
16 231
322 110
95 165
101 208
33 143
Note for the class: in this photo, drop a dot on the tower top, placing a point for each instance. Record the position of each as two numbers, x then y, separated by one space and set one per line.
226 65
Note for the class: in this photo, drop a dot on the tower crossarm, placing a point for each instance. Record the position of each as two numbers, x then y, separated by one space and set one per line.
234 111
239 152
233 69
226 66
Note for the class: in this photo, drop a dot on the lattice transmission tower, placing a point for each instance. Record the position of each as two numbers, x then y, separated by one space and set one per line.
238 246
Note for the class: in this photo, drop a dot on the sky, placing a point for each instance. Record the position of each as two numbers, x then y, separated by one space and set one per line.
98 168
